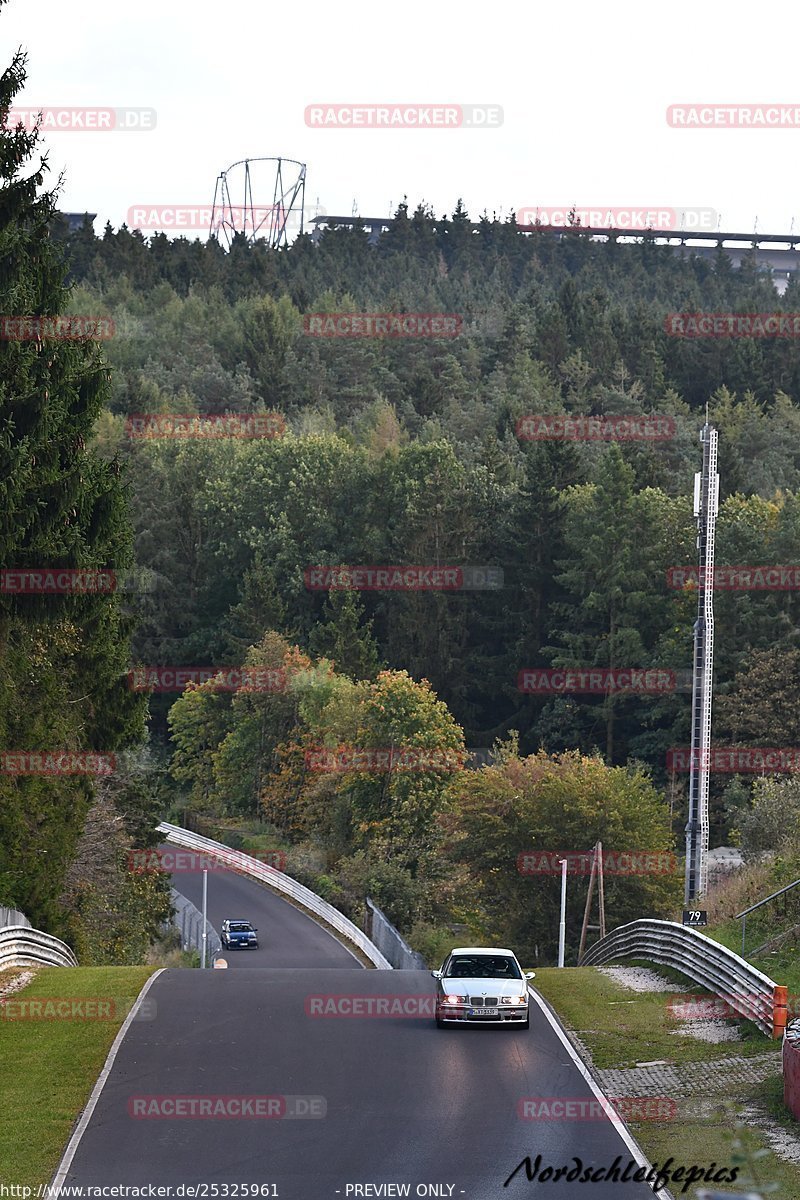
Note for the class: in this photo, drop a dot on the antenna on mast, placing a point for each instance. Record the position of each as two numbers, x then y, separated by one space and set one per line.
706 505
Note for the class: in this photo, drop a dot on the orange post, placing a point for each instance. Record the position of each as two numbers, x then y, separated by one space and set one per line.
779 1010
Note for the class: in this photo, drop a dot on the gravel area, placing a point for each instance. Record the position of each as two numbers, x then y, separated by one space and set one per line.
640 979
782 1141
17 982
712 1030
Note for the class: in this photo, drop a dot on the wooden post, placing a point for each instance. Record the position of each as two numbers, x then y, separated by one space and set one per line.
587 910
600 890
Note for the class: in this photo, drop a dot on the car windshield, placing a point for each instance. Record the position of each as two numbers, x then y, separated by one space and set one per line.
483 966
241 927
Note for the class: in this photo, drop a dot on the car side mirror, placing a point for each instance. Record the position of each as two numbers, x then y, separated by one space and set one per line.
436 974
530 974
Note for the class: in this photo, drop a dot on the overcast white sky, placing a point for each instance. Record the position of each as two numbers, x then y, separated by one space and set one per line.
584 90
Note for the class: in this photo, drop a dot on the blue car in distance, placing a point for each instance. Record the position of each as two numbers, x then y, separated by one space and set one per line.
239 935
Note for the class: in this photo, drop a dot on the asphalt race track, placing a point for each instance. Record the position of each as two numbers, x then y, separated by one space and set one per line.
403 1102
287 937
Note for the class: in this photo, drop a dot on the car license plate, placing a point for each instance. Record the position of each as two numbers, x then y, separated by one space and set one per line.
483 1012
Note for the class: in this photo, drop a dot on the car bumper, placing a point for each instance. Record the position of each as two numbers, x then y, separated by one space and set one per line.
463 1015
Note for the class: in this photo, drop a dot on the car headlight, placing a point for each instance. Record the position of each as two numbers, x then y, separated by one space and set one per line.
513 999
455 999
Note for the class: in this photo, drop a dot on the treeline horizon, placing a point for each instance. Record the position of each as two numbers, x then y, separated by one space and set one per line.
406 451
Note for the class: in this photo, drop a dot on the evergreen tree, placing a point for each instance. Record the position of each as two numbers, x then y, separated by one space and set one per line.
63 657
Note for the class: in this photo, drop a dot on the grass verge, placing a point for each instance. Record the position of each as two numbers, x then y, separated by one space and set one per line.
712 1122
623 1028
49 1066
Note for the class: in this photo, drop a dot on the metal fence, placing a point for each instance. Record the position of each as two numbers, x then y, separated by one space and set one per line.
390 943
188 920
12 916
753 994
247 865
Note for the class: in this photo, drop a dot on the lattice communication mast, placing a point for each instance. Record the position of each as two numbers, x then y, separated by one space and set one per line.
706 504
262 198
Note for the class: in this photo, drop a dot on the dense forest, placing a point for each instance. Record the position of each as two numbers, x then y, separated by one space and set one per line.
388 451
405 451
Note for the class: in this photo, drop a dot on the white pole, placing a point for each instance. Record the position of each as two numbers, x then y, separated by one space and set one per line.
562 926
205 914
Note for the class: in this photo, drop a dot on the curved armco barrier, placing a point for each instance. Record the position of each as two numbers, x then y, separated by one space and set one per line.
21 946
757 996
791 1068
247 865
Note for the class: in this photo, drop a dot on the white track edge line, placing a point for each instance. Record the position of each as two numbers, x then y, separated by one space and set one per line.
86 1115
625 1135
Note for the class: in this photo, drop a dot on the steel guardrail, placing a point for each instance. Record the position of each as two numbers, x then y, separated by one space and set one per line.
747 990
21 946
248 865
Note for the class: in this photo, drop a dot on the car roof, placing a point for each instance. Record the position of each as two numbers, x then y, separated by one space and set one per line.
238 921
481 950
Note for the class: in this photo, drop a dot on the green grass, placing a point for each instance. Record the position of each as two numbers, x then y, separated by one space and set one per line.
49 1067
710 1140
622 1028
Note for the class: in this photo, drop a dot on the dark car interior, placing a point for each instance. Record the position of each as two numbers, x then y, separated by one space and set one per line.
484 966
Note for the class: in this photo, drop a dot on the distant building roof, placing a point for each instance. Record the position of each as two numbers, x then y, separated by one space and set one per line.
74 221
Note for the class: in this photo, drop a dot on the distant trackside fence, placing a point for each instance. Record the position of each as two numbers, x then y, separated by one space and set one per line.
188 920
12 916
304 897
390 942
